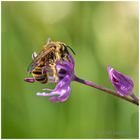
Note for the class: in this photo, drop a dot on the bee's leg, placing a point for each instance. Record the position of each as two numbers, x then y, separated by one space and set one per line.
53 66
46 69
54 73
43 70
30 80
67 58
57 54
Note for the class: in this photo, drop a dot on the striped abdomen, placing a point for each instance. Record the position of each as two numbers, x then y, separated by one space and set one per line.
39 75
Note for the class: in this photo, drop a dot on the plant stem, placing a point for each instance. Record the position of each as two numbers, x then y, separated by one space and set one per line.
112 92
134 97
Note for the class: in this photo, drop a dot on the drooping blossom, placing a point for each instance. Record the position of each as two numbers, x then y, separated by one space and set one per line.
65 74
122 83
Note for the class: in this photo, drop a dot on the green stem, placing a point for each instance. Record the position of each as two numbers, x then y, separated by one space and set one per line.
109 91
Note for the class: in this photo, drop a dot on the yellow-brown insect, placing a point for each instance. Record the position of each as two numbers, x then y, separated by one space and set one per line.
47 58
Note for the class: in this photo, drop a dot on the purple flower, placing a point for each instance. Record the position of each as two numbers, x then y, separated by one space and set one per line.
65 74
122 83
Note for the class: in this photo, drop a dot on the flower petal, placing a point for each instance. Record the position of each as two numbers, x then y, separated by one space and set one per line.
65 68
46 94
63 97
71 59
61 91
30 80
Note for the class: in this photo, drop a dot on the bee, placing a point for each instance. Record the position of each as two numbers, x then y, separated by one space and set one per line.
47 58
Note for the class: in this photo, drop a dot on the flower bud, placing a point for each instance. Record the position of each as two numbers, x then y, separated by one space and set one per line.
122 83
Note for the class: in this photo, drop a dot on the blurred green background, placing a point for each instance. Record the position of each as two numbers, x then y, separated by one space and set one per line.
101 33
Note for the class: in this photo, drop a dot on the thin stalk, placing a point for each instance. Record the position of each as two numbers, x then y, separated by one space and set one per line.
134 97
107 90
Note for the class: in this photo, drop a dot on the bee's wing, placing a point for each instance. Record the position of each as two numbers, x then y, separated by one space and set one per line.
37 59
31 67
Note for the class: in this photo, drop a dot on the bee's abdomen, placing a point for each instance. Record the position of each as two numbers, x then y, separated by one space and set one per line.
42 79
37 72
39 76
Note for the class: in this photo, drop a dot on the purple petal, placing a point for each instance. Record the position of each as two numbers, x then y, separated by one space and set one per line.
65 65
61 98
65 68
30 80
71 59
46 94
122 83
54 99
61 92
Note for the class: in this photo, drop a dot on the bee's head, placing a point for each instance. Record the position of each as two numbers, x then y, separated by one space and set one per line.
64 49
60 46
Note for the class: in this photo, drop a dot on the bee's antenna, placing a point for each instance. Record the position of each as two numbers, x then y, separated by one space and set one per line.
71 49
49 40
